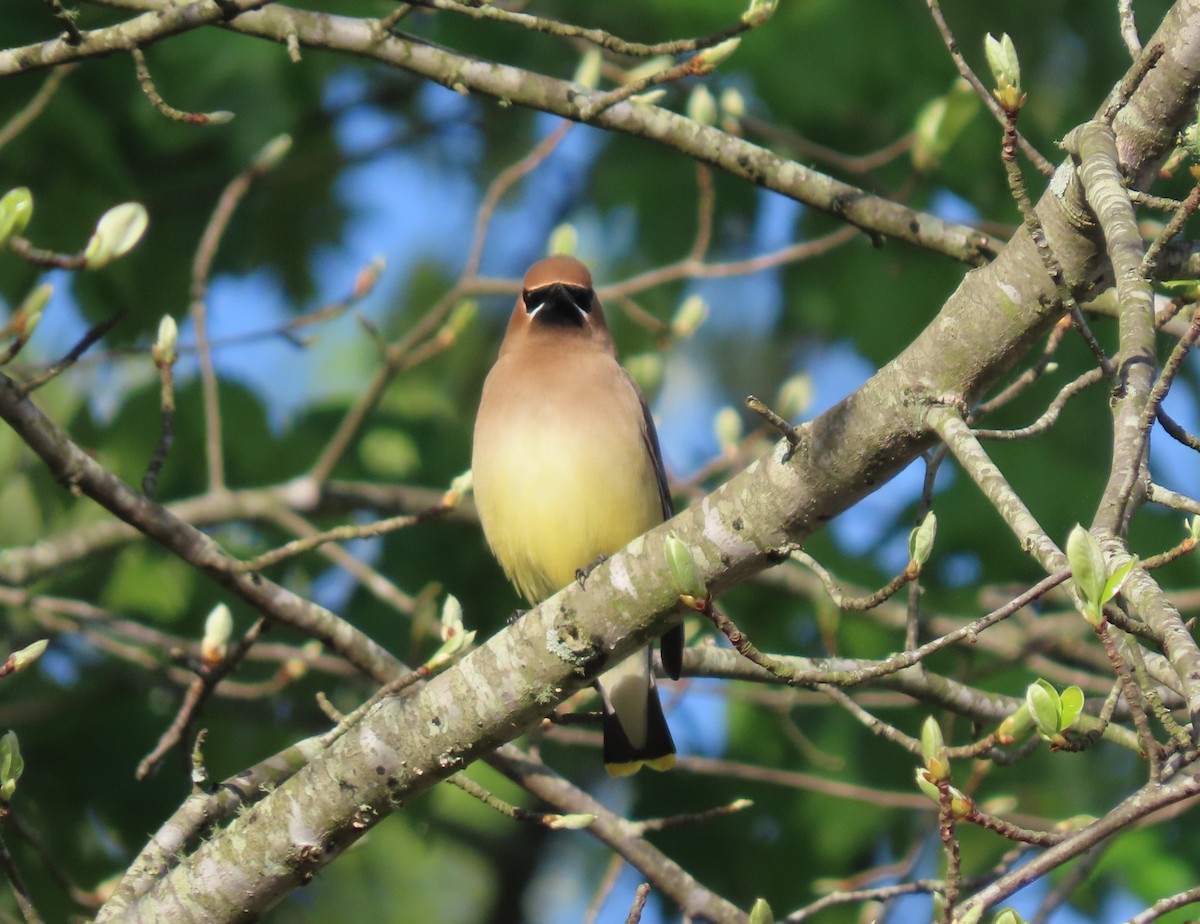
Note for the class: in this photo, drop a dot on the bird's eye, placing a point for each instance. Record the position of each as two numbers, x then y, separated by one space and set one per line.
581 296
533 299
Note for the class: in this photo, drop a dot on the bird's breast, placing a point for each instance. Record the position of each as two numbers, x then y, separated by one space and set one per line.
562 471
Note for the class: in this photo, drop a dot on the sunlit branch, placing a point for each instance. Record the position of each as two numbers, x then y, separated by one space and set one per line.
880 217
1094 147
164 22
971 456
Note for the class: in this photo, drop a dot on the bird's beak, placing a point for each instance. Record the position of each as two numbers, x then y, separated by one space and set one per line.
558 303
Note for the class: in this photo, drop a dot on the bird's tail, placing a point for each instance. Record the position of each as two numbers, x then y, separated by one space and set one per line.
621 757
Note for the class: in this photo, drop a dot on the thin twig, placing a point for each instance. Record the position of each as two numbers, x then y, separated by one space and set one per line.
693 818
603 890
1130 82
843 600
31 110
146 82
201 267
600 102
1028 377
71 33
94 333
515 812
20 892
197 695
1050 416
688 268
1175 430
789 433
166 401
1172 230
403 353
595 36
946 829
1041 163
46 259
1129 32
1165 906
859 164
339 534
639 903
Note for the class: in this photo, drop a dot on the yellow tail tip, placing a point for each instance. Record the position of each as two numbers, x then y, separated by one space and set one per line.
628 768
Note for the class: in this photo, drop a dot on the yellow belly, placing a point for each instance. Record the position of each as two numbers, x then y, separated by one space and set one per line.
564 482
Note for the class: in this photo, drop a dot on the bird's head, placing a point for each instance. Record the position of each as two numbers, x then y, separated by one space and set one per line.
557 301
558 291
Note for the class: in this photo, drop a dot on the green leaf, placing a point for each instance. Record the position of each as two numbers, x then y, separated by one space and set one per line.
1088 569
927 786
16 208
148 583
1002 59
920 540
932 742
1015 725
761 912
117 232
701 107
940 123
727 427
709 59
28 655
271 153
647 369
22 521
759 12
684 573
1117 579
795 395
1070 706
691 314
564 239
11 764
587 73
1044 707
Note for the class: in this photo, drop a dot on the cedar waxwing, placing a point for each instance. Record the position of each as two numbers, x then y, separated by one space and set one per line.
567 470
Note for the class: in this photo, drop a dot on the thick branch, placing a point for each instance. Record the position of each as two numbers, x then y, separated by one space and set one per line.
167 20
877 216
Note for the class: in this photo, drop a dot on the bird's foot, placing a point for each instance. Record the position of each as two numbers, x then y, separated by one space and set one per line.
581 575
516 614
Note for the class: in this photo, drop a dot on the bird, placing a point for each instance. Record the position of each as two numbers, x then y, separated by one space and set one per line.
566 471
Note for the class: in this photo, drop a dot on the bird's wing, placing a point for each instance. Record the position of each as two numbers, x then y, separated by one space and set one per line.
671 644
